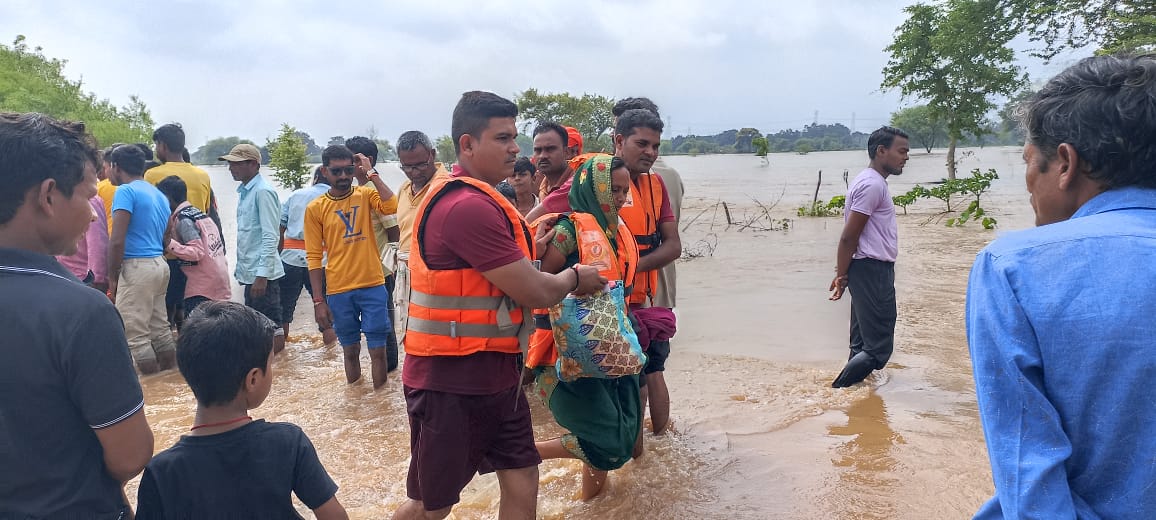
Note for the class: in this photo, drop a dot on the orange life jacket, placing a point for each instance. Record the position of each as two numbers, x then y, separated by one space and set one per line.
641 216
593 249
458 312
581 158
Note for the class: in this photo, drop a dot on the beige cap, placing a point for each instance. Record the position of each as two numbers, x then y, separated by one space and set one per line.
242 152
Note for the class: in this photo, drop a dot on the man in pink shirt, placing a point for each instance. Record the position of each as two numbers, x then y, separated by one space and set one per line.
90 263
865 262
193 238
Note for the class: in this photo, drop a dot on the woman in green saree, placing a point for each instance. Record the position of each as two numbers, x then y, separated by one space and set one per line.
603 416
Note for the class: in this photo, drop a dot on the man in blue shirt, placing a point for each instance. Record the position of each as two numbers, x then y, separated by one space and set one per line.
1060 317
293 252
138 276
258 234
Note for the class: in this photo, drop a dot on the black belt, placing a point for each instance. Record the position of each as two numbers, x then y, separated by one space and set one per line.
542 322
652 240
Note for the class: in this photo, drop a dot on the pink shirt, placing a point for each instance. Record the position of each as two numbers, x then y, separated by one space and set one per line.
198 243
92 250
868 195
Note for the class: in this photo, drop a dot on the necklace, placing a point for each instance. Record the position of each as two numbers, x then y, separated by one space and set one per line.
222 423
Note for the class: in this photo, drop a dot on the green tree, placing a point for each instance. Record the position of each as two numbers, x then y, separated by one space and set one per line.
922 124
447 152
1108 25
32 82
804 146
761 146
385 150
214 148
590 114
287 158
954 55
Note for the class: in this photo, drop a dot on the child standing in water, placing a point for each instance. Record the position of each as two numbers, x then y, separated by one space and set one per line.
231 465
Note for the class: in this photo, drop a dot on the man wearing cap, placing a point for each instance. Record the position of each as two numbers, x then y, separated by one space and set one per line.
258 233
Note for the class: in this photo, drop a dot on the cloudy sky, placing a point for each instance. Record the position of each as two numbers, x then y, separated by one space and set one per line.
338 68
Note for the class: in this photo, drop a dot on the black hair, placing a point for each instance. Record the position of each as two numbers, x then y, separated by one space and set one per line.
507 190
411 139
617 163
172 135
633 103
36 147
473 113
363 146
318 177
524 164
883 136
144 148
637 118
550 126
148 165
1105 107
129 159
335 151
220 343
174 188
188 158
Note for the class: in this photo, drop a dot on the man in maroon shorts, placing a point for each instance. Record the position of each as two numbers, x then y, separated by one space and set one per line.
469 263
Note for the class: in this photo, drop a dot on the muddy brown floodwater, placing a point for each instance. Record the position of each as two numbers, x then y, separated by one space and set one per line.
759 431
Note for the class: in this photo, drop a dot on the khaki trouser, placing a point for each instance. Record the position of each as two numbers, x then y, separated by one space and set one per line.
401 293
140 298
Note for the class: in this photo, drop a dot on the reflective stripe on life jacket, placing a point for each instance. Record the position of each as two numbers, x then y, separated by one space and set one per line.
458 312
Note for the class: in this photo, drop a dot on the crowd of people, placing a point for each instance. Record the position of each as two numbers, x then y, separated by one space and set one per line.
464 267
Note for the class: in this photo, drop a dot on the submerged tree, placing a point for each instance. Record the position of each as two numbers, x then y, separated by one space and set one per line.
954 55
447 152
922 124
287 158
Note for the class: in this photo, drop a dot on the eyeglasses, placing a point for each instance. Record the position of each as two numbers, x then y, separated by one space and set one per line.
414 167
346 170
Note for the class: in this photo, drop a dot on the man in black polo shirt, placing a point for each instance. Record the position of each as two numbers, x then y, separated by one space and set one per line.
72 422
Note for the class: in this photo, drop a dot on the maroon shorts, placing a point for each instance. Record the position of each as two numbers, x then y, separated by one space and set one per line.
452 437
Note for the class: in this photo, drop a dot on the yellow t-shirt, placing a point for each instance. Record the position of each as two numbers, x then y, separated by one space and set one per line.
344 228
106 191
196 181
407 207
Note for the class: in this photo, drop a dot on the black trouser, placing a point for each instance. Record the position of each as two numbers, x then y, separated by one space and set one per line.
391 336
175 297
872 286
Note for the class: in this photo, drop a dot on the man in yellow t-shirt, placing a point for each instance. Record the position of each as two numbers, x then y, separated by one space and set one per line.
169 141
418 162
104 187
353 299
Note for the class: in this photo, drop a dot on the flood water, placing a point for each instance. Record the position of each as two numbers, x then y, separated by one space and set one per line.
759 431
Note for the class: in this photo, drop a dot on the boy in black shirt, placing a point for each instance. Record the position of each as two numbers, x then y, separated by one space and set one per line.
231 465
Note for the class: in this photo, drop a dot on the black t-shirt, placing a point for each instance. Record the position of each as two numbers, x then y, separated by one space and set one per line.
65 370
243 473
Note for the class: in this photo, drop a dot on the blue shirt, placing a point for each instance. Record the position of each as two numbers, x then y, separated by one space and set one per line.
258 232
150 216
293 220
1063 345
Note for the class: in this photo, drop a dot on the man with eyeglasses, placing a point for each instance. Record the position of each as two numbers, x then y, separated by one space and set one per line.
353 298
418 162
258 234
